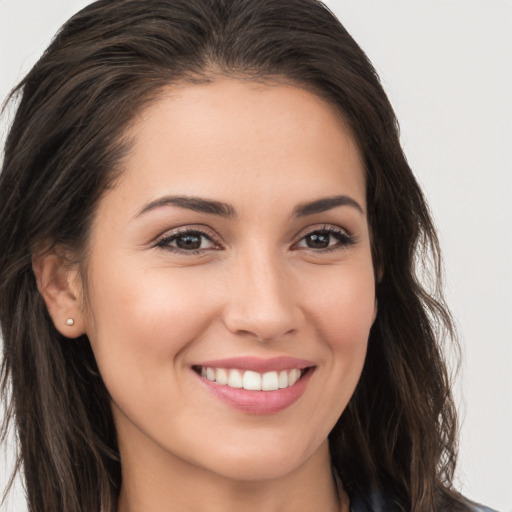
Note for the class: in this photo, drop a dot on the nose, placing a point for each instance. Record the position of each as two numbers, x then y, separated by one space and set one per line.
261 302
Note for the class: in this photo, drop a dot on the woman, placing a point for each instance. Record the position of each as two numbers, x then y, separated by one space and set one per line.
208 289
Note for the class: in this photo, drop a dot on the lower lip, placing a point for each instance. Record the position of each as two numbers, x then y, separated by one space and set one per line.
258 402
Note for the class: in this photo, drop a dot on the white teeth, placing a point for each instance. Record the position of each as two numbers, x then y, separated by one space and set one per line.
253 381
235 379
270 381
283 379
293 377
222 376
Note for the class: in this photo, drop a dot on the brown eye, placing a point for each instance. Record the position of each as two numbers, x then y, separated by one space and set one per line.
319 240
187 241
325 239
190 241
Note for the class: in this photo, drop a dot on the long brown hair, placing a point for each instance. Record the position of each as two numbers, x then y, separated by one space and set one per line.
62 152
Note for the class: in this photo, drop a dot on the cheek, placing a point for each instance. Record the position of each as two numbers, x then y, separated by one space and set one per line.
144 323
343 311
340 309
145 319
343 306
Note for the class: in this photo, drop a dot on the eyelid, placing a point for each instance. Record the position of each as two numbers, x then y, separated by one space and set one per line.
333 228
323 227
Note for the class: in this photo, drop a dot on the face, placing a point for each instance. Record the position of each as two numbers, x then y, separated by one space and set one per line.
233 253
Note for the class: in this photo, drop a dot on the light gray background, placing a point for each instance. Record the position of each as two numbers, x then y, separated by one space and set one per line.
447 67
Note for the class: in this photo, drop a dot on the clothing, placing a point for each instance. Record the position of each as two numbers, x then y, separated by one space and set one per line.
377 502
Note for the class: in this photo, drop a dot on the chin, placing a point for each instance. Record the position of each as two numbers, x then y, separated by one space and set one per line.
260 462
257 469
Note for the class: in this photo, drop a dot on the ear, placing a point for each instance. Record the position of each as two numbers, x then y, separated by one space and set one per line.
60 286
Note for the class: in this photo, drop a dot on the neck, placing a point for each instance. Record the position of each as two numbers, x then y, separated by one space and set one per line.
167 483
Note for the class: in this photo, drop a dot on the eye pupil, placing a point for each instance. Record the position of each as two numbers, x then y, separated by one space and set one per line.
318 240
189 241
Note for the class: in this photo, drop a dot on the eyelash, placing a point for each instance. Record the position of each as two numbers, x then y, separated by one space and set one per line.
344 240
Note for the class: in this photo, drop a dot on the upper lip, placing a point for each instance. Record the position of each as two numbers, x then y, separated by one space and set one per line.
257 364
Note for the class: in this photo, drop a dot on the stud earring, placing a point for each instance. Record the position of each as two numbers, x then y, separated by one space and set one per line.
70 322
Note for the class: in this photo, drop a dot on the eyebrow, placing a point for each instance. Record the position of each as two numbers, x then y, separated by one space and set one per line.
197 204
209 206
325 204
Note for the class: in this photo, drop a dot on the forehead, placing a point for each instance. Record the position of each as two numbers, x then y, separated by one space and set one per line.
238 140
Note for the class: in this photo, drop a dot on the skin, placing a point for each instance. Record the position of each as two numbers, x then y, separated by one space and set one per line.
254 288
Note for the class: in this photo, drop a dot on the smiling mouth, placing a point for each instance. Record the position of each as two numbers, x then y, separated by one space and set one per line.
251 380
